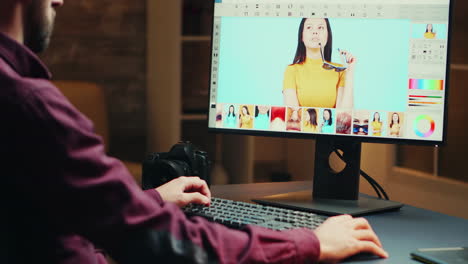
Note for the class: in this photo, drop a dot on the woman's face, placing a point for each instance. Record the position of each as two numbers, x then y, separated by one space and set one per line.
294 121
306 116
376 116
326 115
429 27
294 115
315 33
361 123
395 118
231 109
263 109
244 110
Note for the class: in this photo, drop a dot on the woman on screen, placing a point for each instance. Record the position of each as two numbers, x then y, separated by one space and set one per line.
310 121
246 120
230 121
278 117
262 117
376 125
429 34
327 125
360 121
395 125
343 122
312 79
293 117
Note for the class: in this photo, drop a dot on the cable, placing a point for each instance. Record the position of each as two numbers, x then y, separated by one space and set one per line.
375 185
369 178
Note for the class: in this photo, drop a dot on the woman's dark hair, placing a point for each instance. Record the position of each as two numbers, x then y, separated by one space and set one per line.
301 49
246 109
330 120
374 116
312 116
233 111
392 122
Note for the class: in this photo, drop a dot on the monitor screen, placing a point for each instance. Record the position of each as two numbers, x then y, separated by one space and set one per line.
372 70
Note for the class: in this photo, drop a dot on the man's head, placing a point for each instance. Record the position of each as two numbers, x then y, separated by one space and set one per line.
38 23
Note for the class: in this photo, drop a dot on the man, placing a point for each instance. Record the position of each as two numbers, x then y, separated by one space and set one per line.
64 197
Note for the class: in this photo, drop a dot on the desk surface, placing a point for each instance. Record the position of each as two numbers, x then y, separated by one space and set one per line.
401 232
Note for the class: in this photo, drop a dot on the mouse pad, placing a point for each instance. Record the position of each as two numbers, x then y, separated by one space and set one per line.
456 255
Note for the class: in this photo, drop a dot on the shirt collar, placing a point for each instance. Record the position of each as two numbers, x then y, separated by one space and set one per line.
22 59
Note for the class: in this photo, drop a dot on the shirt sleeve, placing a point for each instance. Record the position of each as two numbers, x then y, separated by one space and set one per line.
289 81
84 191
155 195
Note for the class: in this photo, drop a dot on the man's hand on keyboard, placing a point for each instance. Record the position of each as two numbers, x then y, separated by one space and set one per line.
344 236
185 190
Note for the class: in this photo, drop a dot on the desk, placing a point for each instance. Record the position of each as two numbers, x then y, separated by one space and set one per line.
400 232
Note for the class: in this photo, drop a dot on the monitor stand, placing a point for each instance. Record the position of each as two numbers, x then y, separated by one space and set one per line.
333 192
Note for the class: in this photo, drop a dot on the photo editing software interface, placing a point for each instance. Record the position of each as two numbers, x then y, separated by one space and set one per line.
368 68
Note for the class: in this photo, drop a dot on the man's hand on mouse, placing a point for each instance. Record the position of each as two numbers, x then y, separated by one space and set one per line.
344 236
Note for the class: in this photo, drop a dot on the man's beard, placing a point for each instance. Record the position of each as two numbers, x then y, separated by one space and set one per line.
37 27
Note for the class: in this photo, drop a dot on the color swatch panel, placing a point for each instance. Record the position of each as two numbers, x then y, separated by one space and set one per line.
425 84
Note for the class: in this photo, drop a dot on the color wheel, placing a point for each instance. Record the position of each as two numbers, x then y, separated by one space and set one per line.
424 126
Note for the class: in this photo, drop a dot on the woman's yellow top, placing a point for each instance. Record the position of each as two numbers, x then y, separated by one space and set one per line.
246 121
308 127
315 86
395 130
429 35
376 128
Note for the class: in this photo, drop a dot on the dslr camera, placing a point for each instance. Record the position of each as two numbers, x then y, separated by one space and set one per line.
183 159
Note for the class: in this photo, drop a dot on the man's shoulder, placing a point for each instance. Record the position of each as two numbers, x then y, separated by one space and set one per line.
16 87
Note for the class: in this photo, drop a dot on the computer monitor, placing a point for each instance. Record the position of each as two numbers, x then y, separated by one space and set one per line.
338 71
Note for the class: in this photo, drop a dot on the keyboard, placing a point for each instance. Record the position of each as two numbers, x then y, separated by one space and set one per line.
237 215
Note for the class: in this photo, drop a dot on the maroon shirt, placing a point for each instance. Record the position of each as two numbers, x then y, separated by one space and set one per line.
63 195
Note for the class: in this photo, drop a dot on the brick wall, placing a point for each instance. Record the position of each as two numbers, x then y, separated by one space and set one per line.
105 42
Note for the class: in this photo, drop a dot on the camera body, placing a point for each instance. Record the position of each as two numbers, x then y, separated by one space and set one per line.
182 160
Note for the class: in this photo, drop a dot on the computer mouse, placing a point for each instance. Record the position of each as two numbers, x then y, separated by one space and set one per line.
361 256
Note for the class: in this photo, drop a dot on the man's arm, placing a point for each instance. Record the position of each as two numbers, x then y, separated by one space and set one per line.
84 191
